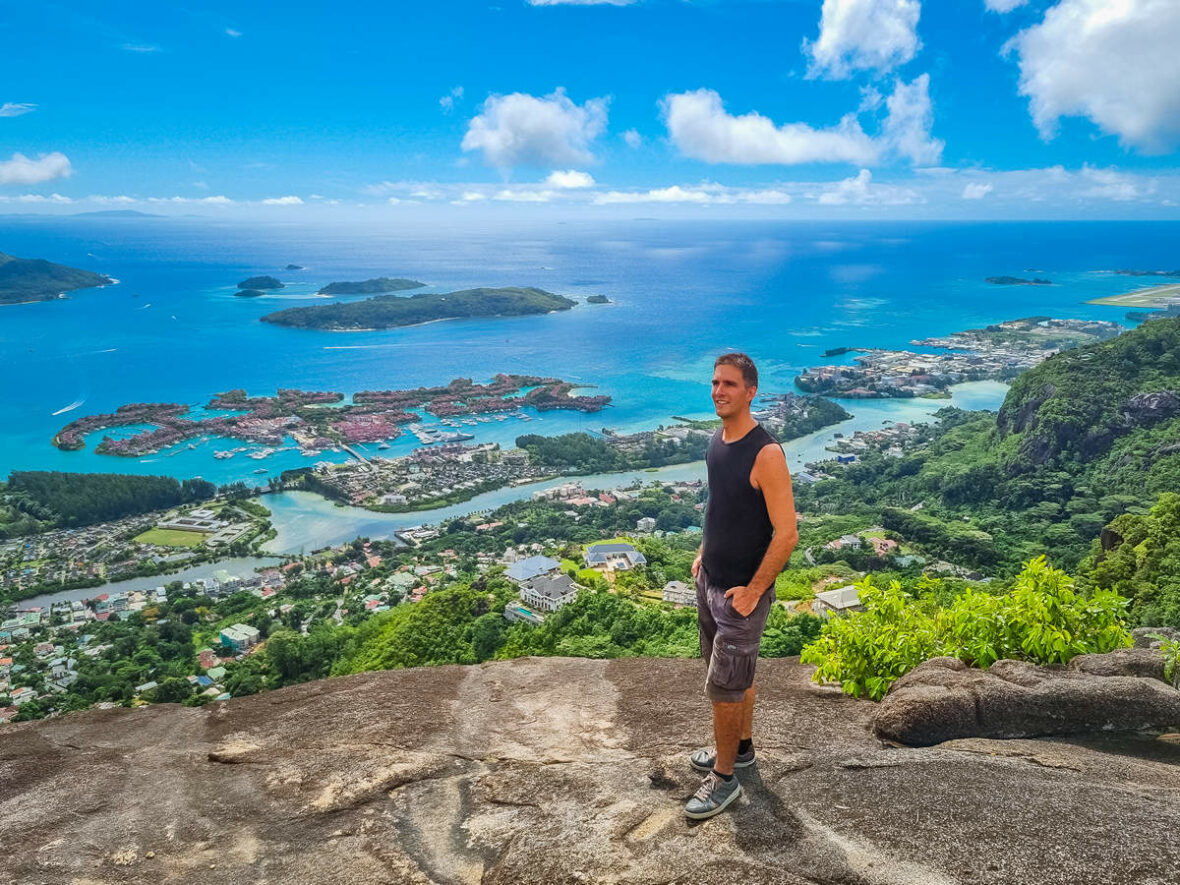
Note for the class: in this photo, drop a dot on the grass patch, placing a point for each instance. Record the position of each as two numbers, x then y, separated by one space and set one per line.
171 538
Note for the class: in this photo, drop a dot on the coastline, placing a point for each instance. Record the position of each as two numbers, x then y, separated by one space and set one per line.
305 521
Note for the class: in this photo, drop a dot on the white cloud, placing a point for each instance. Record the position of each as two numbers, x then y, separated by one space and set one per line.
977 190
910 117
25 170
41 198
674 194
521 129
15 108
524 196
1003 5
232 32
140 47
768 197
218 200
1113 61
580 2
708 193
633 138
1109 184
701 128
282 201
472 197
447 102
857 35
861 191
570 179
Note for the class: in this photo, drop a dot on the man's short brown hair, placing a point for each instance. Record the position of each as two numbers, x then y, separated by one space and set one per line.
743 364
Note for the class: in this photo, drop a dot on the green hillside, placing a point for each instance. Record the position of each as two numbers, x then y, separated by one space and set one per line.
1086 436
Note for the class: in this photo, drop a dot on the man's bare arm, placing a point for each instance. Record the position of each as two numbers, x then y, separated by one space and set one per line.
770 474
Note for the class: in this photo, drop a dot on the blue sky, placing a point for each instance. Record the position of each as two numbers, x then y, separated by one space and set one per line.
779 108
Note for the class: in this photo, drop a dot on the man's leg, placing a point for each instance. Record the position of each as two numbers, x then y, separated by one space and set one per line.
732 724
728 719
748 714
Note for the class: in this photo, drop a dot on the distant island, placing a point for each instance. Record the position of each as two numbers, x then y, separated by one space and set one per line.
24 280
249 293
1018 281
371 287
388 311
293 267
598 299
1149 273
260 283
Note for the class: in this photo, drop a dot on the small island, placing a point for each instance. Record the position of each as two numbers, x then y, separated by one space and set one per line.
25 280
249 293
379 286
1149 273
389 311
293 267
260 283
1018 281
598 299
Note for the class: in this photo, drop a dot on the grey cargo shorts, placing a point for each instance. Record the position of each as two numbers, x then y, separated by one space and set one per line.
729 642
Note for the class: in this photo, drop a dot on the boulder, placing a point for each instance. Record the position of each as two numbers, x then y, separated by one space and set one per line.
1145 637
943 699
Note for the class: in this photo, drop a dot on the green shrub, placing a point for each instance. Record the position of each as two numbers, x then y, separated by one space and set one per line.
868 650
1041 620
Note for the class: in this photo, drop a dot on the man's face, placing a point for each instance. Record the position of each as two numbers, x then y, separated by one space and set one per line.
730 394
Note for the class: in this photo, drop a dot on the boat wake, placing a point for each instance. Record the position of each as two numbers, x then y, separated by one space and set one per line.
70 407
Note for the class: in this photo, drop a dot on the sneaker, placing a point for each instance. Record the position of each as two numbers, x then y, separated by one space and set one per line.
705 758
713 797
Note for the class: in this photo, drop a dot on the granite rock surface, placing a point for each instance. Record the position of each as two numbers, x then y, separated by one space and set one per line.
552 771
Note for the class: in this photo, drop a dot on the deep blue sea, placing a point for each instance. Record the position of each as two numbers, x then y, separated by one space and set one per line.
172 331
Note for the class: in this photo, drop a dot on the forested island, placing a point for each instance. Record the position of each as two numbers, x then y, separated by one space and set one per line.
24 280
598 299
370 287
249 293
264 282
1018 281
388 311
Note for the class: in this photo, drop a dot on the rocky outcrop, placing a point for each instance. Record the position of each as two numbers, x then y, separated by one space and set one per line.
1019 418
1146 409
943 699
553 771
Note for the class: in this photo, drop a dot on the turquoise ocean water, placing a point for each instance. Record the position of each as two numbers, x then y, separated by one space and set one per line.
173 331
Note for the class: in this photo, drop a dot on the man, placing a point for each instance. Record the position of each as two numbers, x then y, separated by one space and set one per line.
749 535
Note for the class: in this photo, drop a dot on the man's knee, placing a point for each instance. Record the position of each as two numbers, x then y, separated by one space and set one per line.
731 673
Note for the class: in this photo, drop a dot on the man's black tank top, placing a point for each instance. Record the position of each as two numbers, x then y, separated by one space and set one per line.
737 527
